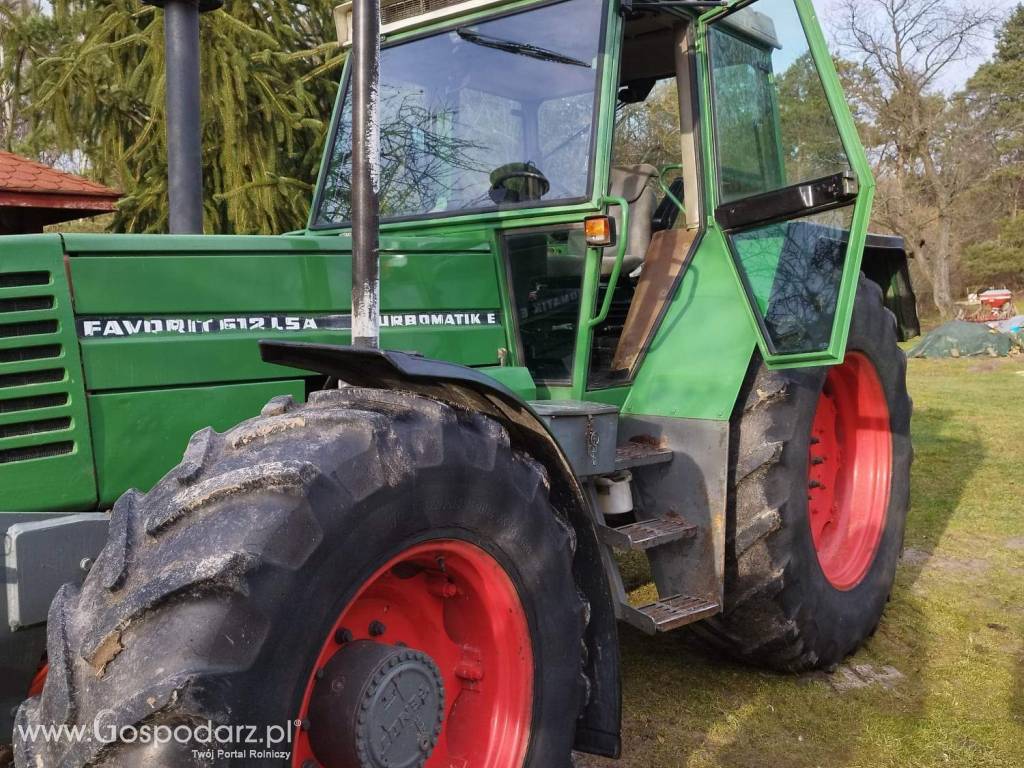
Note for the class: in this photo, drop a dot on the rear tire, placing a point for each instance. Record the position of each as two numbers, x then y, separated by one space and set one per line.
219 592
793 599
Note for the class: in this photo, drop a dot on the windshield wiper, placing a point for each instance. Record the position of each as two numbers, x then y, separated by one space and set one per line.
522 49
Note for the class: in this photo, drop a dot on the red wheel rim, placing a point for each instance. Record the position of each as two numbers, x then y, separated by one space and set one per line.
36 687
454 602
850 470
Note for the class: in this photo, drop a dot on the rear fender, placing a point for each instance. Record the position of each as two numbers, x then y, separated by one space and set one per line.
598 730
885 263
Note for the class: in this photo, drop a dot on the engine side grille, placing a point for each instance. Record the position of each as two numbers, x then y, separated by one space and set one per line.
36 452
35 427
31 377
18 279
9 330
16 404
35 396
46 457
26 303
30 353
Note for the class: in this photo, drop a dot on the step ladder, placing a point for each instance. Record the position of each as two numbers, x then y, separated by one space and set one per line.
667 612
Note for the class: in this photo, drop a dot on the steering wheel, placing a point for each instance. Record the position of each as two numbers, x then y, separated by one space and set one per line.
531 183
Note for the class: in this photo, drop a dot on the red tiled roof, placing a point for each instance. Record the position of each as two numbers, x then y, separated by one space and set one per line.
18 174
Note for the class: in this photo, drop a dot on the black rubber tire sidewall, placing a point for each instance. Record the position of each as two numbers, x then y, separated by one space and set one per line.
523 548
843 618
780 610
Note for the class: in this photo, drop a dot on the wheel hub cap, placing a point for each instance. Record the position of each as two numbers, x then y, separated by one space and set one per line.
434 648
389 697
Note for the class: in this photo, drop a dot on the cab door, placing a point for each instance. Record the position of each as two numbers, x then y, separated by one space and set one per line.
789 183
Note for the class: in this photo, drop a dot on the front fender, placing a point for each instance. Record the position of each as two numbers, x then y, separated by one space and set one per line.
598 730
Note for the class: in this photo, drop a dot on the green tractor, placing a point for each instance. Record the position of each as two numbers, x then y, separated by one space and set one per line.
594 339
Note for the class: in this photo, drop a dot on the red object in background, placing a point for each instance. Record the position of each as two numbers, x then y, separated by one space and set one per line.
38 681
995 297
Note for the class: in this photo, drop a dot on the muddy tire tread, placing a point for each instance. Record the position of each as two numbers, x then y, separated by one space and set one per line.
137 584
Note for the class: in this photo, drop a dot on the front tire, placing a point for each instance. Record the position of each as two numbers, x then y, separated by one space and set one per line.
819 492
381 522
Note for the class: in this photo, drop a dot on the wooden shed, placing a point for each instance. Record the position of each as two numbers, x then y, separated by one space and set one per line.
33 195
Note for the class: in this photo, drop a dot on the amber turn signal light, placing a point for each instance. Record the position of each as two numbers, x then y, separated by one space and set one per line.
599 231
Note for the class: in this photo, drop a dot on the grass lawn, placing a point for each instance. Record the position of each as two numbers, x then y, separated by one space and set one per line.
941 682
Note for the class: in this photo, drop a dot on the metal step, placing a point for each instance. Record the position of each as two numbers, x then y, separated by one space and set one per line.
647 534
632 454
668 613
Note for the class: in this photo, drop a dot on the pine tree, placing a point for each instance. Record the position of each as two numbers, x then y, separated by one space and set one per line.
997 91
26 36
269 75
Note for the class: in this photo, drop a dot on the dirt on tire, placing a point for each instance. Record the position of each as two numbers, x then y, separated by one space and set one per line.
212 597
780 610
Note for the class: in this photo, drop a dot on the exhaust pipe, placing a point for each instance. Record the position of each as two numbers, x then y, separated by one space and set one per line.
184 151
365 174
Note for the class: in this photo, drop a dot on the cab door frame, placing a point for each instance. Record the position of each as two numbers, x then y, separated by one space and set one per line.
720 218
692 170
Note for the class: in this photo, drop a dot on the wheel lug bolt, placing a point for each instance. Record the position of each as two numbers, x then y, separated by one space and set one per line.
817 460
342 636
470 670
377 628
439 586
815 484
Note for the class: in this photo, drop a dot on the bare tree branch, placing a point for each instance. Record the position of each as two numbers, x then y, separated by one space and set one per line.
925 156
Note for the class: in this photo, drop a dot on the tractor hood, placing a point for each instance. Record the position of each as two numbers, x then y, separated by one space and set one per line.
115 348
158 311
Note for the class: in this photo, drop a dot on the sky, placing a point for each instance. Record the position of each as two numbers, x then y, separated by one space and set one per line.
958 72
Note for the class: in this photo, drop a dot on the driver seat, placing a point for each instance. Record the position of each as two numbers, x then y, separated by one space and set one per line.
634 183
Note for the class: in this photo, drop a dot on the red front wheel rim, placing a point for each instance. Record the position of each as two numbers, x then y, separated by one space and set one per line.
454 602
39 681
849 471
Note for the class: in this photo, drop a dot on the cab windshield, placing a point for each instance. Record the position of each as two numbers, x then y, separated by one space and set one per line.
491 115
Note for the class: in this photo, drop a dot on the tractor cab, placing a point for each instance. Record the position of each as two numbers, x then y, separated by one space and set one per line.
688 125
653 192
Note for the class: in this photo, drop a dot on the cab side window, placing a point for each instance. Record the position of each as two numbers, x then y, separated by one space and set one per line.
786 191
546 274
773 125
746 116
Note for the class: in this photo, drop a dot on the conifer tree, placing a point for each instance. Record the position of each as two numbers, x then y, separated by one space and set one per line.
26 35
269 75
997 90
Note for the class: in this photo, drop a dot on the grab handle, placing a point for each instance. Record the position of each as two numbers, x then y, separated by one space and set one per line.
620 255
668 189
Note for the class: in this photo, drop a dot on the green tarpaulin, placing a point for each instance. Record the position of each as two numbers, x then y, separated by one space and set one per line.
961 339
